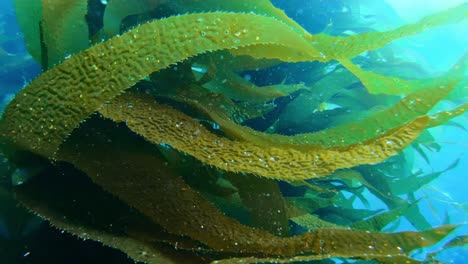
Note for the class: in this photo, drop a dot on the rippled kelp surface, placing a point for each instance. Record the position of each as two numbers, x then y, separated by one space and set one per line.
157 118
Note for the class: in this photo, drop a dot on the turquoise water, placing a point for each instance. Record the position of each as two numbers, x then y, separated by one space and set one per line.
27 239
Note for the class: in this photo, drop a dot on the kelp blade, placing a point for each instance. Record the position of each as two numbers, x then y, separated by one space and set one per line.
163 124
44 113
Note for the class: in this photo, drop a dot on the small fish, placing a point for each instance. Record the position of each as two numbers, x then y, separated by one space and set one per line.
324 106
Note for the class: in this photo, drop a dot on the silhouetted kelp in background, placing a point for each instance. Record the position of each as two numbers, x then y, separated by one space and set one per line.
155 117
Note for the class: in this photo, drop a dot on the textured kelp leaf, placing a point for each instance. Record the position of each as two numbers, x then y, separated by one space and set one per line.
413 105
261 7
117 10
163 124
336 48
65 28
145 183
27 124
45 112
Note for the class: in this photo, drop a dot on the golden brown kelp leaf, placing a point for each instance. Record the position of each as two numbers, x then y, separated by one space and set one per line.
336 48
29 16
117 10
51 106
163 124
415 104
65 28
143 181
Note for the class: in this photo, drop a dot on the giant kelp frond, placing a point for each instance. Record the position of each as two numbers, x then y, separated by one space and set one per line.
163 124
105 70
109 64
427 93
156 192
140 162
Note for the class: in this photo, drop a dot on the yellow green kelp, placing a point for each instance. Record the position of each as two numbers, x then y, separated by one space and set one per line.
166 125
135 155
155 192
237 30
107 64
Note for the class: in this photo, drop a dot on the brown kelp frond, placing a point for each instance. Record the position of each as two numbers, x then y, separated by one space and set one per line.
174 164
120 62
163 124
44 113
69 201
168 201
417 103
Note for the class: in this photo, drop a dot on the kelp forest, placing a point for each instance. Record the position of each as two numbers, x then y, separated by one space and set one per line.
191 131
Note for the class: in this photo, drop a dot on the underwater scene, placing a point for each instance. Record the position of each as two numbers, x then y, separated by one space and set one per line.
233 131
